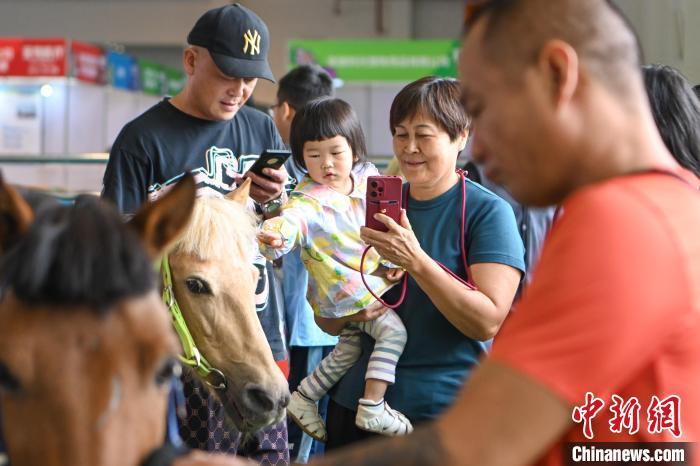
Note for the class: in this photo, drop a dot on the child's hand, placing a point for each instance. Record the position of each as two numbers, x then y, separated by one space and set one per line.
271 239
371 312
394 275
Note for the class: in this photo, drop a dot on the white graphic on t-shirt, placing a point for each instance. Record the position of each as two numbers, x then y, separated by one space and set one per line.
216 178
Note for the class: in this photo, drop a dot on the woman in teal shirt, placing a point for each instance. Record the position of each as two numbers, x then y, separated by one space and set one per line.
449 325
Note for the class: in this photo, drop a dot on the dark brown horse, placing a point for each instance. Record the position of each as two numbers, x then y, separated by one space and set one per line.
87 350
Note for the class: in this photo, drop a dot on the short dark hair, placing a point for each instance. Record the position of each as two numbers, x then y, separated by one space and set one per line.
78 255
323 119
602 36
436 98
676 111
304 84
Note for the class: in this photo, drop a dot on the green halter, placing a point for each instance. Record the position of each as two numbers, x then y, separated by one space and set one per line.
192 357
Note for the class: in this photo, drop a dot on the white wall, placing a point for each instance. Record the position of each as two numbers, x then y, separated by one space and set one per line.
124 22
71 177
668 31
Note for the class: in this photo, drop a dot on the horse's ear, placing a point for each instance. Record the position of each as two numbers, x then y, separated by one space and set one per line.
15 215
161 221
241 193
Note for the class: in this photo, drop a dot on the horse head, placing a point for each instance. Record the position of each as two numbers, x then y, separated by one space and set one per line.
214 282
87 351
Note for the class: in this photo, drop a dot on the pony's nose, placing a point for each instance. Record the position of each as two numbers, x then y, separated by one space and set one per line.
284 401
257 399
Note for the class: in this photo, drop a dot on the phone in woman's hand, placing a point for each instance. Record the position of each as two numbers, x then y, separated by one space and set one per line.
383 197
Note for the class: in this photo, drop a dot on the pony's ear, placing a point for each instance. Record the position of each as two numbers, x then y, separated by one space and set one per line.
241 193
161 221
15 215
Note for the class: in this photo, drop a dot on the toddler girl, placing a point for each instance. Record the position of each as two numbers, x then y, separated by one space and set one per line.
323 217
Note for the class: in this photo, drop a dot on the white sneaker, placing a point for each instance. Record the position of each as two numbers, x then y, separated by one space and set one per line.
381 418
304 413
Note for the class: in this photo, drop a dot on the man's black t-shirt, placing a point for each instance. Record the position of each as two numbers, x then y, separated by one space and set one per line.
154 150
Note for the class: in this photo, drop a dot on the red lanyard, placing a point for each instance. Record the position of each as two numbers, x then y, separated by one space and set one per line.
468 283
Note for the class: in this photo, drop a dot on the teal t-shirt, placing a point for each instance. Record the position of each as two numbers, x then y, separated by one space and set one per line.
438 357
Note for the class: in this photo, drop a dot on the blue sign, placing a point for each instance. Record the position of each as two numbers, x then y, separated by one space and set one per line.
123 71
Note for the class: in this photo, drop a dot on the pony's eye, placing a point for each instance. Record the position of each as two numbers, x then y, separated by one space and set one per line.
197 286
8 381
169 369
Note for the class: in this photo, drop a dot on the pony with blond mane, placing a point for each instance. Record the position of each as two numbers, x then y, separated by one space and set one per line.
214 282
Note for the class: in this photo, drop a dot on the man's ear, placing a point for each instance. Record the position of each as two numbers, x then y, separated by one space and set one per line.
559 64
158 223
241 193
189 57
15 216
288 111
463 138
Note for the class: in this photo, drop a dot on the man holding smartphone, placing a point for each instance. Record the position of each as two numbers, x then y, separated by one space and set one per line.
207 130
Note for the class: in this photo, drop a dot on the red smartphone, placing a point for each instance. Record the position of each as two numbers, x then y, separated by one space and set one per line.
383 196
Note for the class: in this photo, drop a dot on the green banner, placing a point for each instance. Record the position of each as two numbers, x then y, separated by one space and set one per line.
174 81
152 77
378 60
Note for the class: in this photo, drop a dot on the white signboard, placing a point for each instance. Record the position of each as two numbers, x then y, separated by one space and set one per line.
20 123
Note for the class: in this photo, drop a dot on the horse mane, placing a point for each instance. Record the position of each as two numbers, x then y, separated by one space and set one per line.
217 223
78 255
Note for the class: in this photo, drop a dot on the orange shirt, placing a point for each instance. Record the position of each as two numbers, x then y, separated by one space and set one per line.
614 306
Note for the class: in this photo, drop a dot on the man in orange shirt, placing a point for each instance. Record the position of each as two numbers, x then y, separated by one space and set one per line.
604 345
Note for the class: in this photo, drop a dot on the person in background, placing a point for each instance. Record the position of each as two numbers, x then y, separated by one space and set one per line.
308 344
533 222
207 129
676 111
294 90
612 313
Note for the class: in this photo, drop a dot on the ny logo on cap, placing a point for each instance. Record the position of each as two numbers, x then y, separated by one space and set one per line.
252 40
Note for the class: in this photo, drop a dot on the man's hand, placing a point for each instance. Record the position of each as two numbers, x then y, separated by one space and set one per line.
268 187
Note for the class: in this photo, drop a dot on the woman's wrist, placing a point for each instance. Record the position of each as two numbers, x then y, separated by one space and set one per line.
418 264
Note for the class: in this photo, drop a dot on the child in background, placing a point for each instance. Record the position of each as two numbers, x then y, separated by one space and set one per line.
323 217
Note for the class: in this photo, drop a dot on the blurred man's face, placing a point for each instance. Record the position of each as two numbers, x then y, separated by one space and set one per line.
513 126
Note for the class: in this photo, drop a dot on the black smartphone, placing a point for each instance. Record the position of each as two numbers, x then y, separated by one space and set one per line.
270 158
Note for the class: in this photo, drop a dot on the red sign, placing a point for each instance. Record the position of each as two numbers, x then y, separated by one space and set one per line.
32 57
88 62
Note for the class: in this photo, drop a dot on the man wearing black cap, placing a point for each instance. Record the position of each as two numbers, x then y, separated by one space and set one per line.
206 129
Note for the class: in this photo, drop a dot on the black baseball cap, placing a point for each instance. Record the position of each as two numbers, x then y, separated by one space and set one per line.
237 40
